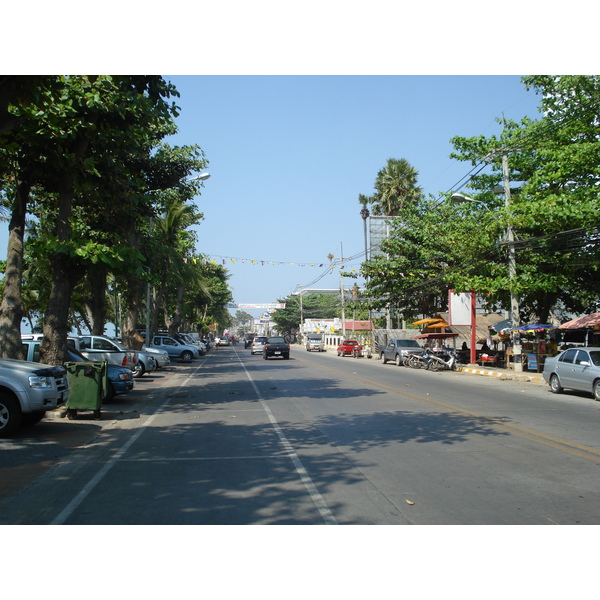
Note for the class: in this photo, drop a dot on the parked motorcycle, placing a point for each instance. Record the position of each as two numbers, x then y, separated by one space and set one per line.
437 363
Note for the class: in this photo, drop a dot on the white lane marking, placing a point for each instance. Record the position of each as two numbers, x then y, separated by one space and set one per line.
84 492
316 497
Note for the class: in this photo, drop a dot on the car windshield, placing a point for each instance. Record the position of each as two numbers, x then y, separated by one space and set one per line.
260 340
276 340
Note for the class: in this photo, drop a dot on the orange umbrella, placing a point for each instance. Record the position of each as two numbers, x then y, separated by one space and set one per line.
425 321
438 325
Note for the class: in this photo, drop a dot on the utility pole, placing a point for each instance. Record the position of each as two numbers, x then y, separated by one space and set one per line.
512 264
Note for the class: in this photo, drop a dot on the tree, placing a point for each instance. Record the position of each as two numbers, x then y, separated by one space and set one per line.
314 306
554 209
395 189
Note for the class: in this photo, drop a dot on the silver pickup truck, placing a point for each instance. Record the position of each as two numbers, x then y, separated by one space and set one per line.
27 391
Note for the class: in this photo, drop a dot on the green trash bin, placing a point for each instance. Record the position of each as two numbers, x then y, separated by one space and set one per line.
88 382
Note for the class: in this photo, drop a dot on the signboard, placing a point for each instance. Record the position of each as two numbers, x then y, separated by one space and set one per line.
459 308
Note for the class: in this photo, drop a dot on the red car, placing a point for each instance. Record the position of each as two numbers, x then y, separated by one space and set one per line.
350 348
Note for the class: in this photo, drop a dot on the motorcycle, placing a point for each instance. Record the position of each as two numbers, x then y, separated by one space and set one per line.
437 363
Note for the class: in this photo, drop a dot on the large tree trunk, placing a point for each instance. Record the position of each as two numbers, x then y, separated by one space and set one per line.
96 301
11 307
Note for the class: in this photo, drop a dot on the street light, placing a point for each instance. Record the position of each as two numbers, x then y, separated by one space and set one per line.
461 198
201 177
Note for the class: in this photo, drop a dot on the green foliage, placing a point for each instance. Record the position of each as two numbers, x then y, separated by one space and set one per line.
314 306
555 175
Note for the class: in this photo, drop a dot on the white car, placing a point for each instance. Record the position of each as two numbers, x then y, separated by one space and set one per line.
258 345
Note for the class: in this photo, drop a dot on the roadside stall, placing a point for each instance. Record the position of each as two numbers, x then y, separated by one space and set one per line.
536 345
589 325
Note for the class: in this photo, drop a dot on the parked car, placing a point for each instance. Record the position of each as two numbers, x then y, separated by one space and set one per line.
98 347
349 348
146 364
120 379
276 346
258 345
161 357
186 338
574 368
175 348
27 391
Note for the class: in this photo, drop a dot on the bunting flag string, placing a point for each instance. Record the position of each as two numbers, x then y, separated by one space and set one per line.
225 260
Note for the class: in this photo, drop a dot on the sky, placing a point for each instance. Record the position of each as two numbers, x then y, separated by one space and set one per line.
289 155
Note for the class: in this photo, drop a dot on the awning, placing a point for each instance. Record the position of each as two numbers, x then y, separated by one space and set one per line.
582 322
534 327
435 336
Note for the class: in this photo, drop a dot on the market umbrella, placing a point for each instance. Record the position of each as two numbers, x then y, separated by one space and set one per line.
426 321
581 322
534 327
438 325
501 326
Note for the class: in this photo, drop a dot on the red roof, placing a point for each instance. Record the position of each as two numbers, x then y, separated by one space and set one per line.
358 325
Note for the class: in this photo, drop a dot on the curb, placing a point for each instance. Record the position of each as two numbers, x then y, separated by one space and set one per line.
503 375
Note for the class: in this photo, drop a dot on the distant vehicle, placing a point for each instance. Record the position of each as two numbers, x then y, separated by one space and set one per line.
276 346
576 369
349 348
314 341
398 349
248 337
224 341
258 345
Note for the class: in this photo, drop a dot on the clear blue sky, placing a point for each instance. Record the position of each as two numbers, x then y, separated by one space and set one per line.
289 156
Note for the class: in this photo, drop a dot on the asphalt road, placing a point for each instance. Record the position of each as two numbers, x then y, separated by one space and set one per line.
317 439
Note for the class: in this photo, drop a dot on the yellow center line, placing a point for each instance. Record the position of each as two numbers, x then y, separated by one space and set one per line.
524 432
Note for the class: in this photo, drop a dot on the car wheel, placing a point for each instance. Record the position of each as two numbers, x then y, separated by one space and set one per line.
110 392
186 356
398 360
597 389
138 370
10 415
383 359
555 384
286 356
265 356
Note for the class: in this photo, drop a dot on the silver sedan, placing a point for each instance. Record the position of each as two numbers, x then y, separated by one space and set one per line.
575 368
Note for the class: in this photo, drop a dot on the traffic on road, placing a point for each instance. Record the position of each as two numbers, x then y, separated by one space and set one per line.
315 439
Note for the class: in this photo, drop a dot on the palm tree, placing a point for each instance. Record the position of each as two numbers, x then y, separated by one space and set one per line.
395 188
